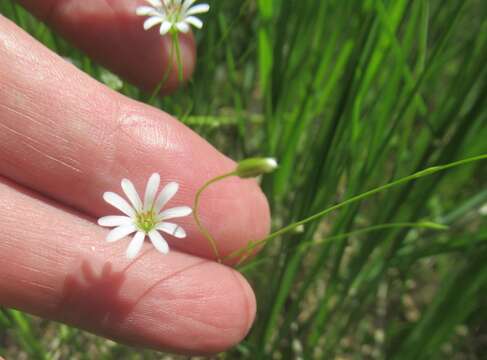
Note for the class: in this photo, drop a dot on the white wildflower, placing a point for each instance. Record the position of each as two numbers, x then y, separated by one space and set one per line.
172 15
144 218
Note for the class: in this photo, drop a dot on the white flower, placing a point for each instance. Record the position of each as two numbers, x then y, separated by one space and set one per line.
144 218
172 14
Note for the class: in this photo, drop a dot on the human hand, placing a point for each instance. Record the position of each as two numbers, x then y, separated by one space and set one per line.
64 140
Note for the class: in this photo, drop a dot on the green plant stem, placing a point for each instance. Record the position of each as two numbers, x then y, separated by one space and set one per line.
165 76
196 216
303 247
417 225
175 39
417 175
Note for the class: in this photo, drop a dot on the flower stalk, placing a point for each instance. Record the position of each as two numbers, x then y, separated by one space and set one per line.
196 214
245 169
294 226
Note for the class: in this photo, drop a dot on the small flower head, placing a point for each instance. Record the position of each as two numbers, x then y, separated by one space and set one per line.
253 167
172 15
144 218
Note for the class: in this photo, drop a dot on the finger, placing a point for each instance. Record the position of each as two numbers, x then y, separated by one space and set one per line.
57 265
111 33
69 137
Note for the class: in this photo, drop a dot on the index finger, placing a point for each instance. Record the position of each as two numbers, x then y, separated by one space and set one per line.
112 34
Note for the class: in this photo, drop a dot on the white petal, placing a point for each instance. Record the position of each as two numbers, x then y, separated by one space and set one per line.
114 220
131 193
155 3
182 27
135 245
175 212
120 232
165 195
158 241
186 5
151 190
120 203
198 9
146 11
193 20
165 27
152 21
172 229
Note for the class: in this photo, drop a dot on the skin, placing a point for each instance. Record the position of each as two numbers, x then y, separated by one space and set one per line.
64 140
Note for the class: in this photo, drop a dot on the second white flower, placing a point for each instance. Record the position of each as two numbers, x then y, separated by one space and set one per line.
172 15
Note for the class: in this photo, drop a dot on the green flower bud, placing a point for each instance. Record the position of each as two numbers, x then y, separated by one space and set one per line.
253 167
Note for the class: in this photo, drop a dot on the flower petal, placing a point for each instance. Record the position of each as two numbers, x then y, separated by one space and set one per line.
186 5
198 9
146 11
120 232
152 21
131 193
135 245
165 27
172 229
158 241
113 220
193 20
165 195
155 3
182 27
120 203
175 212
151 190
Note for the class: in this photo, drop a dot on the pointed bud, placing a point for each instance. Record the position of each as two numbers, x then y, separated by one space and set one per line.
253 167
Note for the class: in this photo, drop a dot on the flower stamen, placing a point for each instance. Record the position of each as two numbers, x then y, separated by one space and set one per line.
146 221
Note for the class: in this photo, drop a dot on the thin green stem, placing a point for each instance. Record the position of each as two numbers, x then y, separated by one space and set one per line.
303 247
417 175
196 214
417 225
175 39
165 76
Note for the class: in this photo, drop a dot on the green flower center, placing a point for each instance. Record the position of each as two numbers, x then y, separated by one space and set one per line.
146 221
173 12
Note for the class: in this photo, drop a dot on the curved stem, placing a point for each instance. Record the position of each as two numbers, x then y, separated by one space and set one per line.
415 176
196 215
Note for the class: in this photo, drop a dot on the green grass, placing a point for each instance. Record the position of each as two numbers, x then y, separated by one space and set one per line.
348 95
